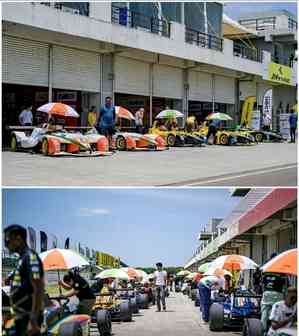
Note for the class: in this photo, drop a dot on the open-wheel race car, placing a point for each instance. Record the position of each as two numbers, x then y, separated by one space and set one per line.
264 136
234 309
60 142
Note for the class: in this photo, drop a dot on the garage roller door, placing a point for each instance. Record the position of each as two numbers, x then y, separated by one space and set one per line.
76 69
24 62
131 76
200 86
224 90
168 82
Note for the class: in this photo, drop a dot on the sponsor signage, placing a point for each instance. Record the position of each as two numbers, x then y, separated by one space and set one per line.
105 259
279 73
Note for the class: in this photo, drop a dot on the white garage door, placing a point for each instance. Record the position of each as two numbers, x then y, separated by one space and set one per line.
168 82
76 70
24 62
247 88
131 76
200 86
224 90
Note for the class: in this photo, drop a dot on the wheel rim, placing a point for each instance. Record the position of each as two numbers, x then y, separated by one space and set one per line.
13 144
45 147
259 137
121 143
223 140
171 140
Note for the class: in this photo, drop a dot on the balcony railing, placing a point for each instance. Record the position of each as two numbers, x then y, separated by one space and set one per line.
79 8
266 23
248 53
203 40
292 24
125 17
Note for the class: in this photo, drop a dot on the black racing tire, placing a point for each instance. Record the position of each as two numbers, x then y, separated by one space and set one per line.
143 301
121 143
125 312
103 322
171 140
216 321
223 139
70 329
45 147
252 327
14 146
259 137
134 306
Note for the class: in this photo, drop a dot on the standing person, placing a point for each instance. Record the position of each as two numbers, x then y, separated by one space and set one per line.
27 285
160 282
92 117
293 125
26 116
106 120
79 287
205 287
139 120
213 128
266 122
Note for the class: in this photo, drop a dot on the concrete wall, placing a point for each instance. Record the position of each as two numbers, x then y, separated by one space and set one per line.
100 11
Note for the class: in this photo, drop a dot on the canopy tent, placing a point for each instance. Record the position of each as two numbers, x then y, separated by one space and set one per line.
233 30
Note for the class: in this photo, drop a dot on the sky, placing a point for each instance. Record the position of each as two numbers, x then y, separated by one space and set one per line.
234 10
142 226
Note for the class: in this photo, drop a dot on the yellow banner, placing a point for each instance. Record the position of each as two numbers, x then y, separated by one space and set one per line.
105 259
280 73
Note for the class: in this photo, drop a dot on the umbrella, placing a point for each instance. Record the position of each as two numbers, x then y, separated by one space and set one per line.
183 273
204 267
286 262
113 273
132 272
234 262
217 272
169 114
121 112
59 109
218 116
190 276
141 274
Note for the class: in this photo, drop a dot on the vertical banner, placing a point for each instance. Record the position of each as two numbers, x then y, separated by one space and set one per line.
32 238
267 105
43 241
284 125
87 254
67 243
54 242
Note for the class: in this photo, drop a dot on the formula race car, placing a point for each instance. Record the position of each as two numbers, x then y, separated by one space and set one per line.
233 309
60 142
176 137
264 136
136 141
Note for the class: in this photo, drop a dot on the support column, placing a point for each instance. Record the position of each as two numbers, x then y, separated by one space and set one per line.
213 93
186 93
151 92
237 116
182 13
50 74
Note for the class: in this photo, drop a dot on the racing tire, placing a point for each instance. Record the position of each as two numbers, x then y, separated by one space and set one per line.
216 320
125 312
223 139
259 137
121 143
70 329
134 306
252 327
143 301
171 140
14 147
103 322
45 147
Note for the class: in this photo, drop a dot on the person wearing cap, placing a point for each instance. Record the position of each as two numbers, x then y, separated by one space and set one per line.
27 284
160 277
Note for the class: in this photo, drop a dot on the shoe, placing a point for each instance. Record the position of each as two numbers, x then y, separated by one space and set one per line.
158 310
164 308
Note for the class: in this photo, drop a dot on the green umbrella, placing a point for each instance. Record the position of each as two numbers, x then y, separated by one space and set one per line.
204 267
170 114
218 116
113 273
183 273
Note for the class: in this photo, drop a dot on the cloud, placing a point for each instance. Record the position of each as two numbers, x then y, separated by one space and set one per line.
87 212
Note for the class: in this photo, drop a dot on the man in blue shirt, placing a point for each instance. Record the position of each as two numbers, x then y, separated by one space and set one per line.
106 120
213 128
293 125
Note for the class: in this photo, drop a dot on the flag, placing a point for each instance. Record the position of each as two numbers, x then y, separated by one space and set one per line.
94 254
43 241
54 242
87 252
32 238
67 243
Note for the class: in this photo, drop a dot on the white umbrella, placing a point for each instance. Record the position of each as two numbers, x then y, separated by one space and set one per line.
114 273
233 262
170 114
58 109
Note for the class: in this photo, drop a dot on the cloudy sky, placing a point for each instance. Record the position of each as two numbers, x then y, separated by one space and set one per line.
142 226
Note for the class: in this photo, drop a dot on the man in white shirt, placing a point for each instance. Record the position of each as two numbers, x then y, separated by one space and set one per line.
284 313
26 116
160 282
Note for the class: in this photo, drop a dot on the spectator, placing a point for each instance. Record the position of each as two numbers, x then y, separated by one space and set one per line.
92 117
284 313
139 120
26 116
106 120
293 125
266 122
161 281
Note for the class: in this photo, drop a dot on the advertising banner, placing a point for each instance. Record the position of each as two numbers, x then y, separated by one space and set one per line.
255 120
280 73
105 259
43 241
32 238
67 243
284 125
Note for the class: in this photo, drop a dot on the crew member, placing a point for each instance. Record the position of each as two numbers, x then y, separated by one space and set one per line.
106 121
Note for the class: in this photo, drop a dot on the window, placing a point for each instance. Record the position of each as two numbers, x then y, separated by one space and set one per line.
171 11
214 17
194 15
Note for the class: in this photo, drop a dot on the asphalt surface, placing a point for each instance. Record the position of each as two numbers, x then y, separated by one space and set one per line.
181 318
268 164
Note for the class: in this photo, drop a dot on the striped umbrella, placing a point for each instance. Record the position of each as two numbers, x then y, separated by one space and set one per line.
204 267
234 262
286 263
113 273
58 109
132 272
218 116
121 112
141 274
217 272
169 114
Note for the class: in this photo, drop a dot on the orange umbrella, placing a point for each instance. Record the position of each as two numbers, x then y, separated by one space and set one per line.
219 272
59 109
132 273
121 112
285 262
233 262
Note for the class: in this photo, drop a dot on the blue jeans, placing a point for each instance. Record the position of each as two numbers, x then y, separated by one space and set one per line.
205 301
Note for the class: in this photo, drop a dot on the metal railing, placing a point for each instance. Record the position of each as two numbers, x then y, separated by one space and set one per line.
80 10
248 53
266 23
125 17
292 24
203 40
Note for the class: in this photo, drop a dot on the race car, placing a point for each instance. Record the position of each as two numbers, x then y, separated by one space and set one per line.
264 136
59 142
176 137
135 141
